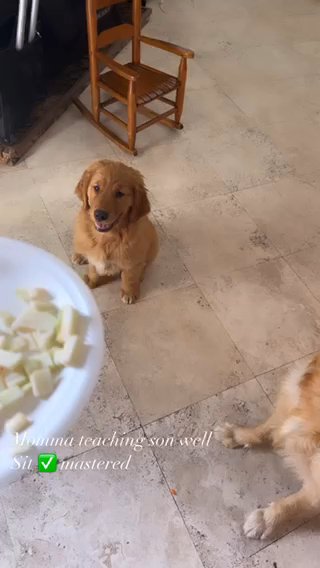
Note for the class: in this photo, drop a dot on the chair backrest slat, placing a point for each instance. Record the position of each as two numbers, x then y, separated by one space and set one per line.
121 32
117 33
99 4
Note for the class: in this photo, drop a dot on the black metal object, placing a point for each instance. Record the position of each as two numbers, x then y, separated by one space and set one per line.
26 75
21 75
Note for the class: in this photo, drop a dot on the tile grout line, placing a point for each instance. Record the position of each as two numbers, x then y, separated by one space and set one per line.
254 377
230 191
125 433
123 384
281 537
284 257
287 261
209 304
183 408
55 230
280 255
170 239
146 299
195 286
174 500
227 333
13 548
285 364
264 392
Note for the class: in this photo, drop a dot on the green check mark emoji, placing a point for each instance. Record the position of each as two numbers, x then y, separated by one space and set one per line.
47 463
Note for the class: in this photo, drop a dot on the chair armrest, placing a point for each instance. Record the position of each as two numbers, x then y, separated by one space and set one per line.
171 47
122 70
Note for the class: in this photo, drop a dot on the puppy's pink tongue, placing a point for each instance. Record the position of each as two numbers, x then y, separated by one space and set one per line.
103 226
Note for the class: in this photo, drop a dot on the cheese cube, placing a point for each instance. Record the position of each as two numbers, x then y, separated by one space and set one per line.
10 396
42 383
44 339
18 344
13 379
9 360
69 354
35 320
68 324
17 423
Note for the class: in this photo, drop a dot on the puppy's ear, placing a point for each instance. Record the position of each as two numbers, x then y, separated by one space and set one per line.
141 204
82 188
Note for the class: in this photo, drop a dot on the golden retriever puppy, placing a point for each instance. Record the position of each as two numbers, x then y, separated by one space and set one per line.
113 232
294 431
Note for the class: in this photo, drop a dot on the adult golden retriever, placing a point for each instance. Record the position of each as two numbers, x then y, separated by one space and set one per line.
294 431
113 232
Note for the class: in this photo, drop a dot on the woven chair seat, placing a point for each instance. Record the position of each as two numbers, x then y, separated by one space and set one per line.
150 84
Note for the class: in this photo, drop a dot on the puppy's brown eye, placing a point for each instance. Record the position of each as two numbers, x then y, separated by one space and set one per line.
96 188
119 194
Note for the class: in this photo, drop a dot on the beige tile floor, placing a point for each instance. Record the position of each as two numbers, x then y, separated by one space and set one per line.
230 305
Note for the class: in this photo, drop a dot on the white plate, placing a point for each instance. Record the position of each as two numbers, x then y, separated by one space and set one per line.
25 266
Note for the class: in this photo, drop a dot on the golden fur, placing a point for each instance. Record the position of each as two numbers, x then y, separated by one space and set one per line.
129 241
294 431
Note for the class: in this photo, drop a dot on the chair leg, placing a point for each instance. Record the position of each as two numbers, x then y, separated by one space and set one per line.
180 91
111 135
95 97
95 89
132 117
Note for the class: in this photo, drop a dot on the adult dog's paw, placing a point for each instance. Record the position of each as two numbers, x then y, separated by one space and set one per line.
259 524
225 435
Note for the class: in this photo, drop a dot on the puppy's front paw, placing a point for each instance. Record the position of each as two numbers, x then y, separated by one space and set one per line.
128 298
258 524
91 283
225 435
78 259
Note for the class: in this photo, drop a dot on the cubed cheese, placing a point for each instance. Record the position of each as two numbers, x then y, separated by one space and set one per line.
44 307
31 365
68 324
10 396
17 423
43 358
23 294
13 379
35 320
36 294
6 321
42 383
30 340
69 354
9 360
27 388
18 344
40 295
4 341
44 339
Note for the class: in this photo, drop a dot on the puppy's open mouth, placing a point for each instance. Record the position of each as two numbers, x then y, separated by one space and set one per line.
104 226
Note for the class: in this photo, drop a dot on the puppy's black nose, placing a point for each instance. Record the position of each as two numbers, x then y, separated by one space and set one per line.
100 215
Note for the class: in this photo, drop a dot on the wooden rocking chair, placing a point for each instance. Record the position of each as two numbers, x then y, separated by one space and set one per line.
134 84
